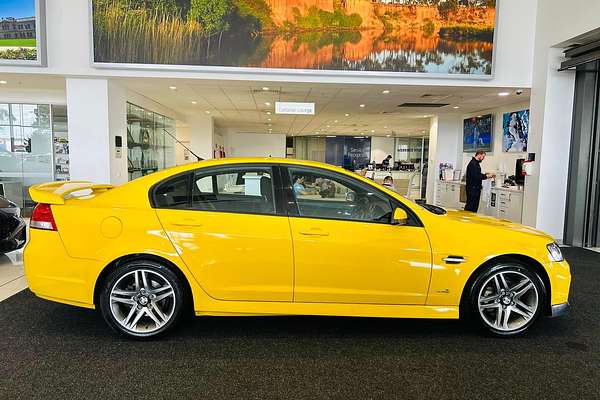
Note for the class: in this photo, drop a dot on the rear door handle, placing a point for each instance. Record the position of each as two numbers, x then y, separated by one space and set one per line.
314 232
187 223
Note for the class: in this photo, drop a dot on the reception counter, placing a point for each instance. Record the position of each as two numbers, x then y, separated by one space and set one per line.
500 202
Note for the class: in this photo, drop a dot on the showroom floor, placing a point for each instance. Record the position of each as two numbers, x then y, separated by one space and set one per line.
12 279
55 351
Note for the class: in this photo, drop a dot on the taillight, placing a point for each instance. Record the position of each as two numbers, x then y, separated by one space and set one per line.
42 218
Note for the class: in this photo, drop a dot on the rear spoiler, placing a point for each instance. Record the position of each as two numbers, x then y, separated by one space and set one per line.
57 192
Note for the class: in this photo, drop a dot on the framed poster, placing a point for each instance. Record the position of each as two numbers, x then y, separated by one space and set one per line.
429 38
22 32
478 133
515 132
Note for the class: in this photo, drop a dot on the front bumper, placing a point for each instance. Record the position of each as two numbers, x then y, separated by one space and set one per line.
560 309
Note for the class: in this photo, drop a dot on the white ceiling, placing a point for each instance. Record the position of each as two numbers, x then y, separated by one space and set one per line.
240 106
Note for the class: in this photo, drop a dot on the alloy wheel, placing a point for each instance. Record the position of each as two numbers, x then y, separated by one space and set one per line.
142 301
508 300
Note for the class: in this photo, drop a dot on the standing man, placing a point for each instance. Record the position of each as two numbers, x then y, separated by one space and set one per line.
474 179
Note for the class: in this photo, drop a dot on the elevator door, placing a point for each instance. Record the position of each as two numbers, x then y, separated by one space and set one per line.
582 219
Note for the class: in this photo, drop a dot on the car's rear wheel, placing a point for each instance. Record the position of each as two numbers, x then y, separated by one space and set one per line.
142 299
507 298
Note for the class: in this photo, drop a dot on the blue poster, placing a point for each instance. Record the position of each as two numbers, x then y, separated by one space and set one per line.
478 134
515 133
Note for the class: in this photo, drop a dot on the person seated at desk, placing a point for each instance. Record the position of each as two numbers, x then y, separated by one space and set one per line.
299 188
388 182
386 163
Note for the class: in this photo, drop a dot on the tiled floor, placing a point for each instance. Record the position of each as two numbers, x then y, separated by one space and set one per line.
12 278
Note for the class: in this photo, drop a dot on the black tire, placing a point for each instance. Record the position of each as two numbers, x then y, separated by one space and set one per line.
166 308
487 318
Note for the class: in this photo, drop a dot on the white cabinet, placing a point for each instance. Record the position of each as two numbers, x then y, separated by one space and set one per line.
448 194
509 204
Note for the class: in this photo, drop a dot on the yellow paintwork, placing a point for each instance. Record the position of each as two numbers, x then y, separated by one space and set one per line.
241 264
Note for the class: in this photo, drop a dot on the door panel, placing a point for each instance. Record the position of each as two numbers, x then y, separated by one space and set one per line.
359 262
234 256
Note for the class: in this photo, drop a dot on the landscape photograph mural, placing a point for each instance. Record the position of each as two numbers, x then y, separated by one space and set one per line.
422 36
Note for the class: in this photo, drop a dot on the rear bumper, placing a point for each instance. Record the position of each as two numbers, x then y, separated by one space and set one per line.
560 309
53 275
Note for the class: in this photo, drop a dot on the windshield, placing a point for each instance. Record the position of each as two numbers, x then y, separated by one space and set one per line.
429 207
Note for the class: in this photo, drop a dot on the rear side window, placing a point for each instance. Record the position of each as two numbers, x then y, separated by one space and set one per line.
247 190
173 193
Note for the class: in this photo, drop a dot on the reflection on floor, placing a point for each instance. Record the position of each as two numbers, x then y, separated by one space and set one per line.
12 277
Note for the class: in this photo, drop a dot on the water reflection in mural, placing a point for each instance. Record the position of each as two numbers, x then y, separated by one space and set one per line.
426 36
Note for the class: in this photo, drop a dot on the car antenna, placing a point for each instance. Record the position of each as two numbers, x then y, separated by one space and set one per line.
183 145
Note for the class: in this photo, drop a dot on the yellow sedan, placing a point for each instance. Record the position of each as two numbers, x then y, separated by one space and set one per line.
258 236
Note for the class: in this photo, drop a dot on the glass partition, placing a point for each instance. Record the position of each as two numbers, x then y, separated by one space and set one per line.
150 142
26 151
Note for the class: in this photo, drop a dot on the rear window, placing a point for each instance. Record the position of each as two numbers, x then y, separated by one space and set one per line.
173 193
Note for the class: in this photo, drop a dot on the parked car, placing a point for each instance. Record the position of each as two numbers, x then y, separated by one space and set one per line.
13 229
254 237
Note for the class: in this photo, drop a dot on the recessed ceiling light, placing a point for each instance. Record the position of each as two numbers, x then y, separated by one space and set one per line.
269 119
336 121
3 82
456 107
386 92
267 103
329 126
388 135
208 112
363 105
479 116
268 112
265 88
330 136
503 94
194 102
423 131
347 115
372 130
173 87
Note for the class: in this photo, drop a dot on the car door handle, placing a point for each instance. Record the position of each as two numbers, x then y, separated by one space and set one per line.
187 223
314 232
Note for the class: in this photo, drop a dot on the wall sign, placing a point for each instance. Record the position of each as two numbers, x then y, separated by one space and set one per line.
448 37
294 108
22 32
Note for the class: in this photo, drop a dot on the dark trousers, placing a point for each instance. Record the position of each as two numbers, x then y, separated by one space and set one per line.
473 196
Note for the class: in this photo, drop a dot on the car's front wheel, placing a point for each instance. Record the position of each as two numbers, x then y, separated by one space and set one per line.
506 299
142 299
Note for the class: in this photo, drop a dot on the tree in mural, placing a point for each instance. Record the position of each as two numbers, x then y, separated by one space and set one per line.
211 14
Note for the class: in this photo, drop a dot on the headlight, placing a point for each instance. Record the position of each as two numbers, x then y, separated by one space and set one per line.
555 253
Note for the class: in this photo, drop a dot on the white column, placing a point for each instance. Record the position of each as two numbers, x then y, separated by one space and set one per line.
97 112
445 146
552 99
201 134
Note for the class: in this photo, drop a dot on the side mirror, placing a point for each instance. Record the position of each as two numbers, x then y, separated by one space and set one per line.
400 217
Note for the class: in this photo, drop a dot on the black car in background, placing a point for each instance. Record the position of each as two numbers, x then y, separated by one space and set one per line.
13 229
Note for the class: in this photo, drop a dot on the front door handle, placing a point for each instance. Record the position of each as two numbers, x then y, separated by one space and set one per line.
314 232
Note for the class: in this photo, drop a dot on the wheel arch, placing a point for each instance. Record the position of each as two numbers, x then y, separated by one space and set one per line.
528 262
148 257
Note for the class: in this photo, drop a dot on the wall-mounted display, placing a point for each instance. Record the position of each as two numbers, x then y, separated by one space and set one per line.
478 133
22 32
444 37
515 131
351 153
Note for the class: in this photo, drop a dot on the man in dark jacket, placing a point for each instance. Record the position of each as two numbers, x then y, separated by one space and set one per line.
474 179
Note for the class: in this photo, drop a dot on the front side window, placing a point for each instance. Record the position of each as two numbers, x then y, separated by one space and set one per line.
246 190
321 194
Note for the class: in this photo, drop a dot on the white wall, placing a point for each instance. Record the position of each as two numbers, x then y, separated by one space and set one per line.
255 145
69 53
551 110
445 146
496 160
381 147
